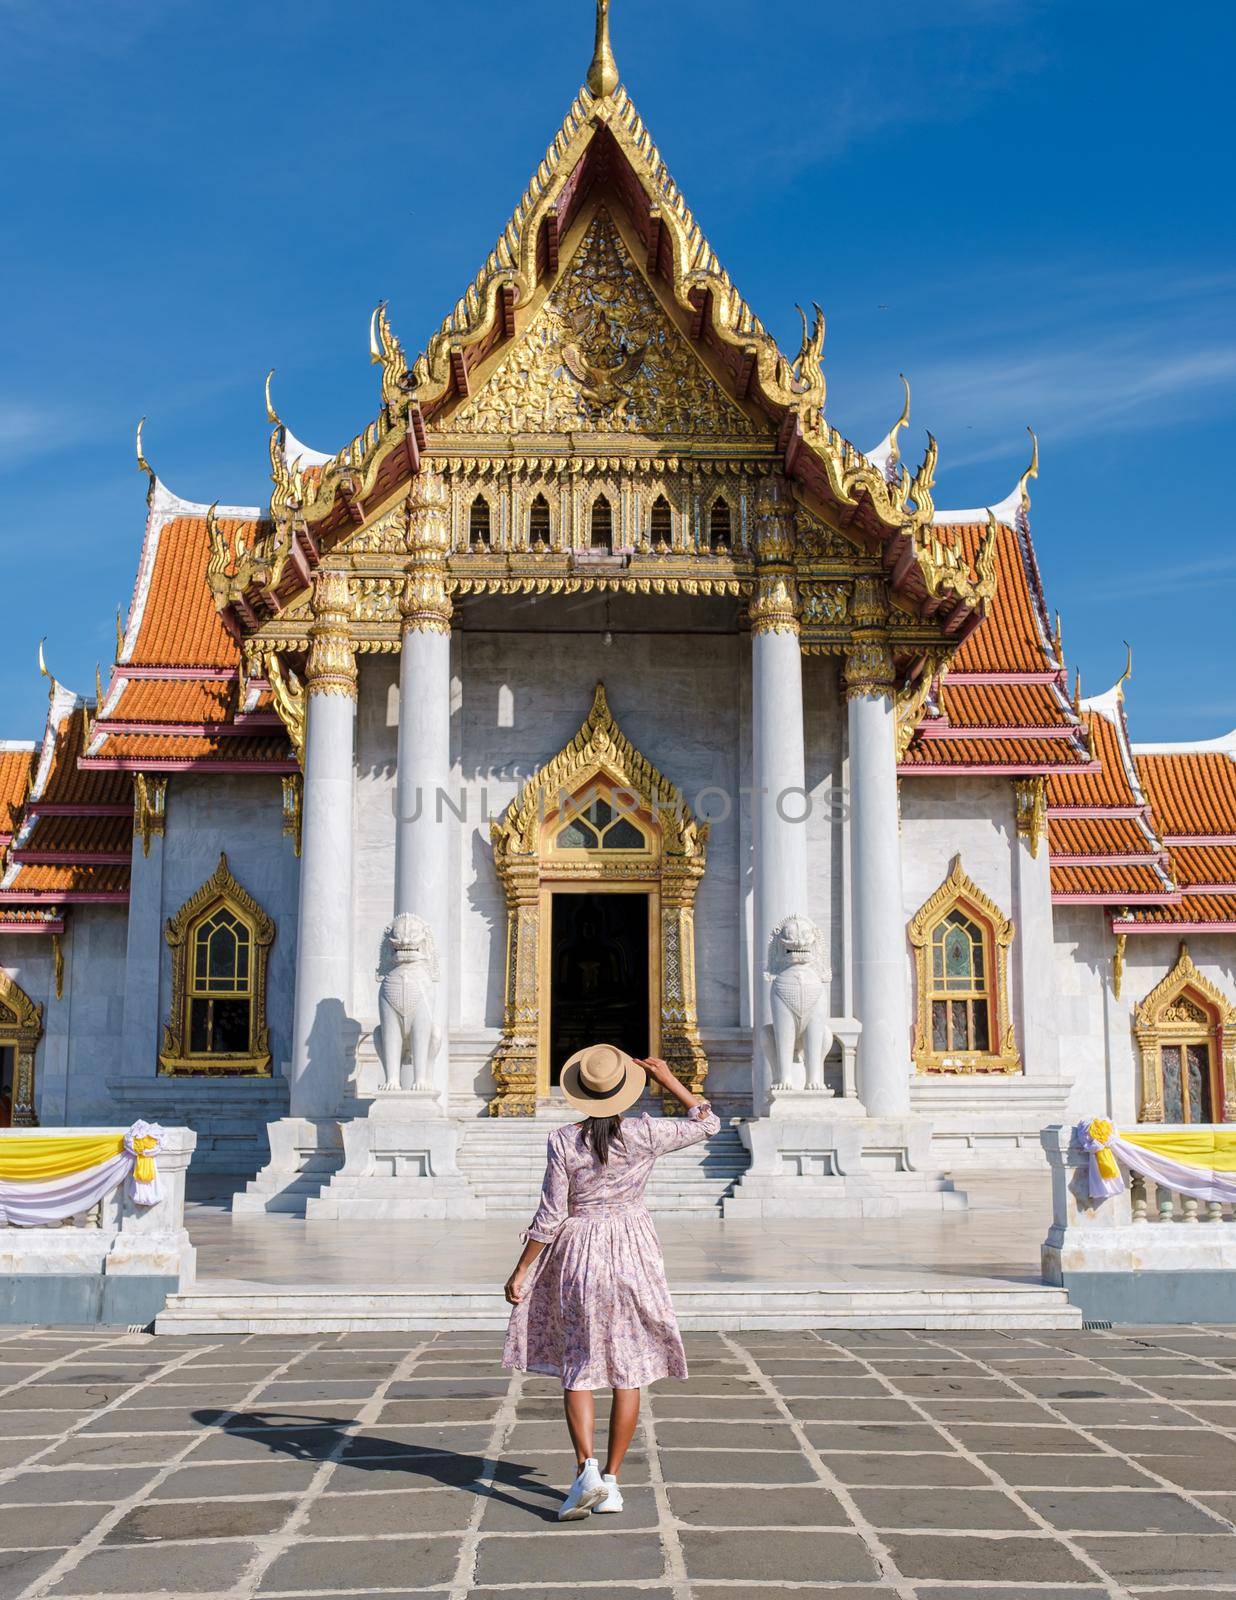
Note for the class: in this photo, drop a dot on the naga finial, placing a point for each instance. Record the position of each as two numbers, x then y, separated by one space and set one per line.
1032 471
272 416
1128 669
142 464
603 73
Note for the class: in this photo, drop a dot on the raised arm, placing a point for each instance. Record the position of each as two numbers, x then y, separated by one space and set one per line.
674 1133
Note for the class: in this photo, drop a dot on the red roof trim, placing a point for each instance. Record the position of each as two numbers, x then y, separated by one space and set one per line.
36 808
980 678
1172 928
192 730
125 669
63 897
992 769
1187 839
1154 859
72 858
942 728
184 764
30 927
1113 813
1115 895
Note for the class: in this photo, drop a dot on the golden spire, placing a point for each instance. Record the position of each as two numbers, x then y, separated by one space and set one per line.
603 73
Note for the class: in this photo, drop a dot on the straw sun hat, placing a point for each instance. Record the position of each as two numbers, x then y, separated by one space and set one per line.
602 1080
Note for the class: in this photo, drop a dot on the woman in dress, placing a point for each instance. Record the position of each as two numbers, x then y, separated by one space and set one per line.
591 1302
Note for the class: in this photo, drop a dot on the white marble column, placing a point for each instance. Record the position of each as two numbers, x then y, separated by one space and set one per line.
320 1046
881 998
778 773
425 830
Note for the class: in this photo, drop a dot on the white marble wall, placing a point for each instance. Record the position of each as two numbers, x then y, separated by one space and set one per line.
1096 1028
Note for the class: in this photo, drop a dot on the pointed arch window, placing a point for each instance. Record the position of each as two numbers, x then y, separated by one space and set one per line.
538 523
661 524
961 939
219 940
602 526
21 1028
1186 1033
720 526
478 523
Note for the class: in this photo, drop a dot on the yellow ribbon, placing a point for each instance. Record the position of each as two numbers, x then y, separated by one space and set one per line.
44 1160
1203 1149
143 1166
1101 1131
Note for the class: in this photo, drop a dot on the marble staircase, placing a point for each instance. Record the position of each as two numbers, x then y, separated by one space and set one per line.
504 1162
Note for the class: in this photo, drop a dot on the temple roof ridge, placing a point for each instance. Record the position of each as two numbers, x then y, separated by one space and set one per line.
1012 510
1223 745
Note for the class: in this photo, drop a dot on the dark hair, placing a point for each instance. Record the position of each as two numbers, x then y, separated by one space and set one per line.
600 1133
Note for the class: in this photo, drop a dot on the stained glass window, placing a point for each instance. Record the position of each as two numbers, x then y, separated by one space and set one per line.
960 1001
220 992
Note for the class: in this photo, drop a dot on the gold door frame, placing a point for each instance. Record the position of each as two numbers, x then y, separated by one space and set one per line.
549 888
21 1028
668 869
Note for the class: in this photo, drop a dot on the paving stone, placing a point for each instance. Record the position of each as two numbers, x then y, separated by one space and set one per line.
951 1591
380 1441
809 1506
18 1568
212 1519
39 1424
1002 1413
893 1437
742 1466
113 1449
13 1452
850 1388
817 1408
910 1470
447 1389
33 1527
143 1419
1023 1441
171 1569
1081 1472
411 1511
1099 1415
359 1564
585 1591
1118 1511
725 1436
558 1468
977 1558
299 1444
404 1411
779 1555
77 1397
708 1591
941 1508
406 1472
277 1476
708 1407
575 1553
1156 1559
516 1509
65 1485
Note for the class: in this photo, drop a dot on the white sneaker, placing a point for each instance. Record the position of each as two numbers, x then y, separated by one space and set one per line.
583 1494
613 1495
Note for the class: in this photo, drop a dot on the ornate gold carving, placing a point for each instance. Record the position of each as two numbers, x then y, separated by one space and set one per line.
1032 811
1122 940
288 694
331 667
602 356
774 606
58 964
869 608
524 856
293 808
603 73
1186 1007
869 666
909 701
425 606
385 351
961 892
21 1028
824 605
221 891
149 808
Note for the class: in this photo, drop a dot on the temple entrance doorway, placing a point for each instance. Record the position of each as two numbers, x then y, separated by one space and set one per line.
599 980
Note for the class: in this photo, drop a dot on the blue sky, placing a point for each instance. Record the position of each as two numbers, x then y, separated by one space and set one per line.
1023 204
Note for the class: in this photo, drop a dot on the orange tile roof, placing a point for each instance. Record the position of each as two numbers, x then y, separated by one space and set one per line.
1099 836
179 625
1192 792
1208 864
67 784
1107 883
85 835
1012 637
172 700
1003 705
1198 910
1109 787
152 748
1013 756
16 771
74 879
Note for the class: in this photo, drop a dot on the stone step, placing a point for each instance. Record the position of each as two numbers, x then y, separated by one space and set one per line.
719 1304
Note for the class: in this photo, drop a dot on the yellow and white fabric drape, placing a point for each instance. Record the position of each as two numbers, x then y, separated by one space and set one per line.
45 1180
1199 1162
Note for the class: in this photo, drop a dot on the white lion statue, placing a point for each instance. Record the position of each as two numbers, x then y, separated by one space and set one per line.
407 1003
798 1000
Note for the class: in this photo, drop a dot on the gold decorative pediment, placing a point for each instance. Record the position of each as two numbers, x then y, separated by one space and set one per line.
599 750
1185 1005
602 356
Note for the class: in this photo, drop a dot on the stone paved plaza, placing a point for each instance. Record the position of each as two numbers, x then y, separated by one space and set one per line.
956 1466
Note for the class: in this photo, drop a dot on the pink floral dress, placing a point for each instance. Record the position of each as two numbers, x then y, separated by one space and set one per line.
596 1309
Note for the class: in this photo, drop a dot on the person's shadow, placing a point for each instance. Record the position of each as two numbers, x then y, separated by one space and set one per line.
305 1437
